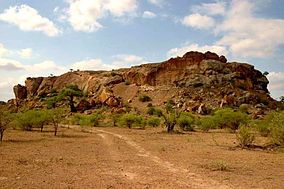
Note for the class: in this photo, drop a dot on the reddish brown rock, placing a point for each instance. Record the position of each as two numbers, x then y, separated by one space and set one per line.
83 105
20 92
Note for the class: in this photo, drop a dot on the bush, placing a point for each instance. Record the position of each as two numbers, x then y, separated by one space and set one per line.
151 111
126 82
228 118
31 119
144 98
276 126
86 120
273 127
170 105
244 136
244 108
207 123
153 121
185 121
129 119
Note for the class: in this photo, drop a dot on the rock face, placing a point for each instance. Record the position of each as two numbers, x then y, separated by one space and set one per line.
192 80
20 92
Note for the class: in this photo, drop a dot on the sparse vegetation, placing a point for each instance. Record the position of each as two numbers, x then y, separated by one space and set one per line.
228 118
5 119
153 121
130 119
144 98
245 136
69 93
185 121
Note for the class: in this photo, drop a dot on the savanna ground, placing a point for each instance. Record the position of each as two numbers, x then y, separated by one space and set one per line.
108 157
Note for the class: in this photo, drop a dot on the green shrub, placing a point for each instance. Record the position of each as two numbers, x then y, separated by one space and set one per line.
228 118
185 121
130 119
153 121
273 127
158 112
151 110
86 120
206 123
276 126
31 119
144 98
170 105
244 108
126 82
244 136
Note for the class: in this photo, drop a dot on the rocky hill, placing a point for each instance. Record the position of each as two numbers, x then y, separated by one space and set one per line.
197 81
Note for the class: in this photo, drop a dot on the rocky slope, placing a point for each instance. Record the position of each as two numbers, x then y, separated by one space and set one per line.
195 81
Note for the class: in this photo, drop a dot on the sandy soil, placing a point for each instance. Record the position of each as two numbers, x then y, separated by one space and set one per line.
106 157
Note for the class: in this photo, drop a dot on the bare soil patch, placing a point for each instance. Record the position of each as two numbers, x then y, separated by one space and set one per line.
107 157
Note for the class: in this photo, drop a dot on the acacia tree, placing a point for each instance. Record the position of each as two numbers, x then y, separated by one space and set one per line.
5 119
171 115
55 116
68 93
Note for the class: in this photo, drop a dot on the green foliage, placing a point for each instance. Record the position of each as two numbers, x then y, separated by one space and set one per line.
228 118
153 121
207 123
170 120
244 108
170 105
144 98
151 110
127 107
51 102
281 99
265 73
86 120
31 119
54 117
272 126
5 119
68 93
245 136
127 82
185 121
130 119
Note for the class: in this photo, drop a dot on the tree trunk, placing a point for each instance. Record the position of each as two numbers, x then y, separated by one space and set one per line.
41 128
1 135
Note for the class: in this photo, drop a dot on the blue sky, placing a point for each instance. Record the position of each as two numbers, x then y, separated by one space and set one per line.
39 38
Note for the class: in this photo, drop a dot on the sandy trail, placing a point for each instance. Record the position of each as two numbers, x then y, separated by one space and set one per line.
138 168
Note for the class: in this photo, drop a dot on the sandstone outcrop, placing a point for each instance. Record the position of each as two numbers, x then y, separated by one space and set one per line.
197 80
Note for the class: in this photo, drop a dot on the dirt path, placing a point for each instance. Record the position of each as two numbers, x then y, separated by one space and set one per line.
137 168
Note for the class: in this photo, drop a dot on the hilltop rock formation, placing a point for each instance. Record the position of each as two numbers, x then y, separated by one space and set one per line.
194 80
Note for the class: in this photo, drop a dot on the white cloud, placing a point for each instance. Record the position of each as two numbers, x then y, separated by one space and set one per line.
127 60
26 53
3 51
10 65
28 19
84 15
92 64
198 21
276 84
216 8
148 14
220 50
158 3
247 35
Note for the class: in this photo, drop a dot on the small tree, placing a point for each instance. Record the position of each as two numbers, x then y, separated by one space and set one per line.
5 119
55 117
281 99
69 93
129 119
185 121
265 73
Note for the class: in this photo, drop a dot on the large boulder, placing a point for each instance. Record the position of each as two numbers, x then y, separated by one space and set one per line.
20 92
32 85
